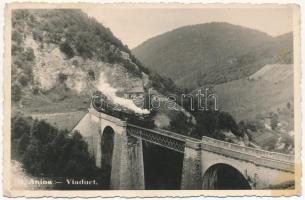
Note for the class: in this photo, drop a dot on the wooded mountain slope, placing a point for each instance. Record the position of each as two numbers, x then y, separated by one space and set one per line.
212 53
59 54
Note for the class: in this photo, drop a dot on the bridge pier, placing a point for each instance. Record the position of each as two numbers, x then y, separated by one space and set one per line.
127 163
191 171
135 163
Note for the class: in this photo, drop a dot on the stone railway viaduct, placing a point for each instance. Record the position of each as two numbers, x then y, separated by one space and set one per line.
117 146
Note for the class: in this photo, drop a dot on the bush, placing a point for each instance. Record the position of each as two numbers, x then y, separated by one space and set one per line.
132 68
288 105
37 35
16 92
24 80
227 122
211 123
29 54
35 90
66 49
62 77
180 123
91 75
17 37
75 63
20 126
274 120
16 49
84 46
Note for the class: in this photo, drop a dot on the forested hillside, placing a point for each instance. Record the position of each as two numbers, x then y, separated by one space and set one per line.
58 55
212 53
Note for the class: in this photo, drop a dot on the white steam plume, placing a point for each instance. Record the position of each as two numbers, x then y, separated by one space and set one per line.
162 120
110 93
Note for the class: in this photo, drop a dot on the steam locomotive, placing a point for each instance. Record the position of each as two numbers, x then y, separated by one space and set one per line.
102 104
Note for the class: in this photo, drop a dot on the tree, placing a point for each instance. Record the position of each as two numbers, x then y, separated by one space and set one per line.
16 92
29 54
16 36
22 144
66 49
42 131
32 157
207 124
180 123
274 120
227 122
83 44
20 126
91 75
37 34
62 77
23 80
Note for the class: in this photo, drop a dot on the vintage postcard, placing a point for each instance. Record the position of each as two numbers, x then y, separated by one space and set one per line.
152 100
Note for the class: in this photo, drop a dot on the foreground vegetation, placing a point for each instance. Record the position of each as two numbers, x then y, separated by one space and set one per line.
48 152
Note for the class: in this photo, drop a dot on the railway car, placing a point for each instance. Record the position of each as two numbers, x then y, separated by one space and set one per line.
102 104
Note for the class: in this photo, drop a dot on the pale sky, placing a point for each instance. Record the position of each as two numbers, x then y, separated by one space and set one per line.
134 25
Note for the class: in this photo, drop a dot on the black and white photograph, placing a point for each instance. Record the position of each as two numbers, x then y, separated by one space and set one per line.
152 97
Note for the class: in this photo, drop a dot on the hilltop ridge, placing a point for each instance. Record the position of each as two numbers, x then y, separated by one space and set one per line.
212 53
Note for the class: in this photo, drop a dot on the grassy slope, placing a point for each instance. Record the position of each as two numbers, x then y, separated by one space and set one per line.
63 114
265 91
67 120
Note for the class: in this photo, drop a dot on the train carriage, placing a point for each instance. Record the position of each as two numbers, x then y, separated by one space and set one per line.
101 104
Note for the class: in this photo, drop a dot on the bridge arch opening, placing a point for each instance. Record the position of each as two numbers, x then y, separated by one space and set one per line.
162 167
224 177
107 143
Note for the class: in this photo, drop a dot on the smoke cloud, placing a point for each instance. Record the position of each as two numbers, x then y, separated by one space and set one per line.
162 120
110 93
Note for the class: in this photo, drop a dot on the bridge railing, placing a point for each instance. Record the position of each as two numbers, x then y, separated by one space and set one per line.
248 150
162 138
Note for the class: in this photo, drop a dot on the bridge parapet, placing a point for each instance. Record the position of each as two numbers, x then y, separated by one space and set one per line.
249 150
259 157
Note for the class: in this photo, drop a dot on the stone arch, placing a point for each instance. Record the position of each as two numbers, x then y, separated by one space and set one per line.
107 144
224 177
